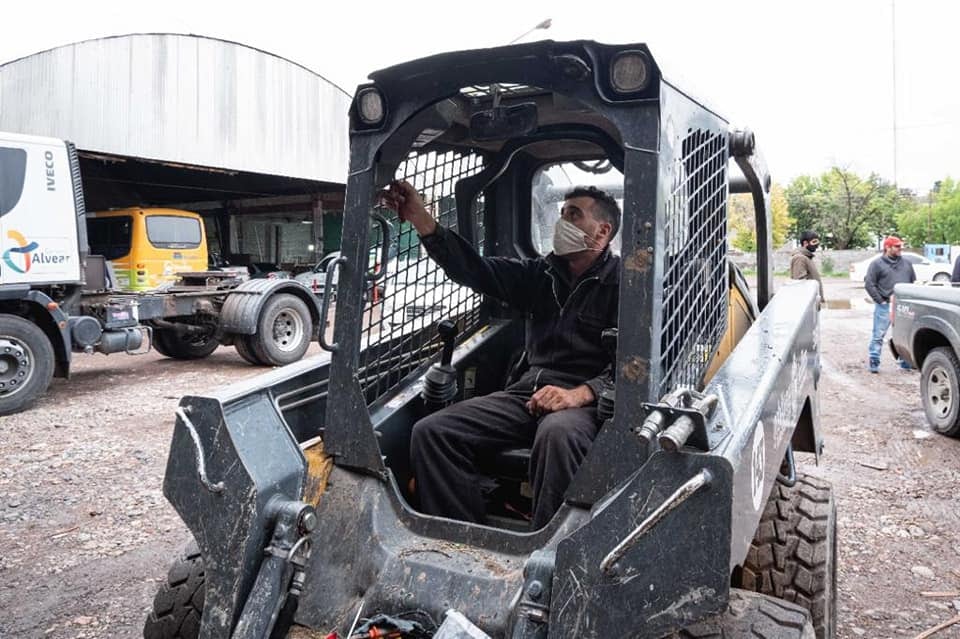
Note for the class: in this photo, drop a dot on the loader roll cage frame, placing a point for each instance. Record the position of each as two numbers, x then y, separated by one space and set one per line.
661 526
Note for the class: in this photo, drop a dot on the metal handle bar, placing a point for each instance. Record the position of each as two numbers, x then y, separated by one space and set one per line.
325 307
692 485
381 272
198 449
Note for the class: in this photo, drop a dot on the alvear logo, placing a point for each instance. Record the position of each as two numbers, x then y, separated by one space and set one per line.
25 249
22 257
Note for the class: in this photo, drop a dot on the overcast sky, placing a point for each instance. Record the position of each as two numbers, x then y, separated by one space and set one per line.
813 79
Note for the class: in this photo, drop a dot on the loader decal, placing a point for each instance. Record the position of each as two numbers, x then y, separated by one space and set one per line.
25 249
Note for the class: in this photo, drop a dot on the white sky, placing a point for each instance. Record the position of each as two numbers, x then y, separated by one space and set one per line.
813 79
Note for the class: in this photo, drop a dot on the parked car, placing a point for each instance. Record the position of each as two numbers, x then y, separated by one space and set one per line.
315 278
421 295
925 335
926 270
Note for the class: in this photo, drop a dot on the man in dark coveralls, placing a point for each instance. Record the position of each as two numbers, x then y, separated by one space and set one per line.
568 297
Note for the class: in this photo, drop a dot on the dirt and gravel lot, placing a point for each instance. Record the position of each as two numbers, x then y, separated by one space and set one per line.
85 533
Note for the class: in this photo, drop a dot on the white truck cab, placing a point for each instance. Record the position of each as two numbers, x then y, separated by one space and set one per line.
37 175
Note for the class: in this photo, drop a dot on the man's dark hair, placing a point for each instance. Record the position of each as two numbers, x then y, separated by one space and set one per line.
607 208
808 236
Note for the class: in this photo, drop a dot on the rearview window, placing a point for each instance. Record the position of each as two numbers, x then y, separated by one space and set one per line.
171 231
553 181
109 236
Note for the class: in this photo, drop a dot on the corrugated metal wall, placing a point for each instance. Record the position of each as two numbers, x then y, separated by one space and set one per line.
183 99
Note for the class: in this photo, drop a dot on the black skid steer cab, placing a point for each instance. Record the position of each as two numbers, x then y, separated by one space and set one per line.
687 518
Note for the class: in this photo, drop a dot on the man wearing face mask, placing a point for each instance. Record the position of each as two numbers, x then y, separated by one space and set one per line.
568 297
802 266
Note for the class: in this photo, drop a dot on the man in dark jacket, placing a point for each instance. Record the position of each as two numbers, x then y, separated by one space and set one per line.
883 274
569 297
802 266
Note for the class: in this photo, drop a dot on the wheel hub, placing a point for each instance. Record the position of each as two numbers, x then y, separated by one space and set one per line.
15 365
287 330
938 392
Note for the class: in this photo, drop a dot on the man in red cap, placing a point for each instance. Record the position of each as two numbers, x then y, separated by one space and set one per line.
883 274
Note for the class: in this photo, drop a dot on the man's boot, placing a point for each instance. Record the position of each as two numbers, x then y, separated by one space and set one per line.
874 365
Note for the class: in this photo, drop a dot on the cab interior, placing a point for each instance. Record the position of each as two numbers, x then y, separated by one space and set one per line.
502 195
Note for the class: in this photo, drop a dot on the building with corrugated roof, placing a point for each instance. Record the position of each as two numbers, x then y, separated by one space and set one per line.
256 143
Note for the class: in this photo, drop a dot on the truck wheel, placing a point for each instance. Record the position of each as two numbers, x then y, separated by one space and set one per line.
283 330
158 344
169 343
751 615
26 363
794 552
178 604
245 349
940 390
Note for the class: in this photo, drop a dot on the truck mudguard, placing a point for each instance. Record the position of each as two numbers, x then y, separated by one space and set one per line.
242 307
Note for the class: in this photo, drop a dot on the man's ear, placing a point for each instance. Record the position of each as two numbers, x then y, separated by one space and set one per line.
606 228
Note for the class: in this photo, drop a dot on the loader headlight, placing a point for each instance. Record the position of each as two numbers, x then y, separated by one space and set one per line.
370 106
630 72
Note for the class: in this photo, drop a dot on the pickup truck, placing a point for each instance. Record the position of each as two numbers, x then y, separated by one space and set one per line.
926 333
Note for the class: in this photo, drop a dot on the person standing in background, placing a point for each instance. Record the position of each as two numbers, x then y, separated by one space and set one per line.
802 266
883 274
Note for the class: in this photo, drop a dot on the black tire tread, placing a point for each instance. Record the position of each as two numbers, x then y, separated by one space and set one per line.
951 429
246 350
43 362
793 554
168 344
753 615
178 604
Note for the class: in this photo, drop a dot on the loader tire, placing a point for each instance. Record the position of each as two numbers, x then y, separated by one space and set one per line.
178 605
245 349
793 555
752 615
26 363
940 390
284 330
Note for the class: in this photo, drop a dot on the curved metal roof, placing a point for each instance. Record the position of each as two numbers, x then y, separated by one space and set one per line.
182 99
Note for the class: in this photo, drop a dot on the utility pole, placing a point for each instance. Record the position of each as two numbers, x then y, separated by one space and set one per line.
893 49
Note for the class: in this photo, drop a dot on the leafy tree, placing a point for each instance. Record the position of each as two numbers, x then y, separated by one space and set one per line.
935 220
743 221
848 211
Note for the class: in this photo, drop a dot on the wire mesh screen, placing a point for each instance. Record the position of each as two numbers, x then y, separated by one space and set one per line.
695 288
399 331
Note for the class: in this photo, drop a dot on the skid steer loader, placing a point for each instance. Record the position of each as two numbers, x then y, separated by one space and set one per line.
687 518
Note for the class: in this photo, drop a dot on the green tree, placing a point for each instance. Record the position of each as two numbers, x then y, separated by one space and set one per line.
848 211
743 229
934 219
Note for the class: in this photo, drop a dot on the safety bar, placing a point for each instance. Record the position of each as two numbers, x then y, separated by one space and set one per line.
325 306
381 272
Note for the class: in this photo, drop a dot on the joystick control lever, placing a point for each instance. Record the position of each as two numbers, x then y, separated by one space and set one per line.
440 382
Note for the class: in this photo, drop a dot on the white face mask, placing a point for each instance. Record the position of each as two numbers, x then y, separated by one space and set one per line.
568 238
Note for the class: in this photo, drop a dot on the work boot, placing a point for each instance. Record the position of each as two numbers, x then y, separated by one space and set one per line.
904 365
874 365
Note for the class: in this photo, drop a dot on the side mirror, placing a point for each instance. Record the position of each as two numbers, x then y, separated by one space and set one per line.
503 122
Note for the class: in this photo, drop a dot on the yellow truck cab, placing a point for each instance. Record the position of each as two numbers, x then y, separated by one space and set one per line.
148 247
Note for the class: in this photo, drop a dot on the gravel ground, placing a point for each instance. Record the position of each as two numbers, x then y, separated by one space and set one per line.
85 533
